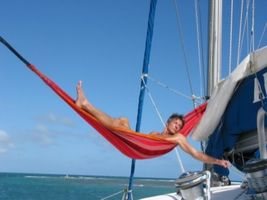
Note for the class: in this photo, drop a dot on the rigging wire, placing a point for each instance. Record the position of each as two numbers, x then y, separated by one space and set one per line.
243 32
239 35
183 47
252 47
247 31
200 49
246 26
263 32
193 97
112 195
153 101
204 75
231 37
162 121
203 86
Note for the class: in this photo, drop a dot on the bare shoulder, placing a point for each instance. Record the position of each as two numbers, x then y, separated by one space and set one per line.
154 133
180 138
177 138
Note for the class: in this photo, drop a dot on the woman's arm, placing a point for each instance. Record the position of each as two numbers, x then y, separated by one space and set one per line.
183 143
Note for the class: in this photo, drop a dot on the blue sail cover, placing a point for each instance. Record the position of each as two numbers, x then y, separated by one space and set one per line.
240 115
233 106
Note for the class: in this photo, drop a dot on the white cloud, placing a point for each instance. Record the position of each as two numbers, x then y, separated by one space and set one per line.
43 135
50 135
5 142
3 150
56 119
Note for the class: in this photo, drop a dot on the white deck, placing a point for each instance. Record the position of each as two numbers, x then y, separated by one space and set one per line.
217 193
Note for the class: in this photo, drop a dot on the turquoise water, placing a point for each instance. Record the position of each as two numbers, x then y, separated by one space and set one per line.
17 186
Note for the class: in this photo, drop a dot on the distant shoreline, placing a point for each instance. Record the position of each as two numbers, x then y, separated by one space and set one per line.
82 175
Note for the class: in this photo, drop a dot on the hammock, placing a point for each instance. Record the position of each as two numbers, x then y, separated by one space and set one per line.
132 144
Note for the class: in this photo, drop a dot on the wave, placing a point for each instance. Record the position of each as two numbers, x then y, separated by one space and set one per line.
36 176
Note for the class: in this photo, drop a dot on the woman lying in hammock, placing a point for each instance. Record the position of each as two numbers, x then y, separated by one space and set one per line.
171 131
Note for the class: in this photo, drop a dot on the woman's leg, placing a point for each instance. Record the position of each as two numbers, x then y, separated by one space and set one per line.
105 119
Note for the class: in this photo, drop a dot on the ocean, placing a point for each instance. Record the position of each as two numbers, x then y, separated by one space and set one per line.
20 186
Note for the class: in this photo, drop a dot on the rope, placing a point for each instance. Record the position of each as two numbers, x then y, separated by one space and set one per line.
179 160
153 102
239 173
112 195
163 123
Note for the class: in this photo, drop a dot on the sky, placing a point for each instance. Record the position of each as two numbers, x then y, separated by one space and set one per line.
101 43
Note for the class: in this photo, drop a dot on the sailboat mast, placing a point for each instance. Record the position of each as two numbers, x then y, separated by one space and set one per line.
214 52
215 44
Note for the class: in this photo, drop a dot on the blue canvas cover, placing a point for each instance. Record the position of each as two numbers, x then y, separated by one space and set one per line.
240 115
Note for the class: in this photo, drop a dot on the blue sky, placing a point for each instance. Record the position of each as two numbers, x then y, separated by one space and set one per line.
101 43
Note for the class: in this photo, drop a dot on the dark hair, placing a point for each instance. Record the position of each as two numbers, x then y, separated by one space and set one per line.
176 116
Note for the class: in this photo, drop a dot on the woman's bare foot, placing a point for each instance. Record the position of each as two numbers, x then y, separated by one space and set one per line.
105 119
81 100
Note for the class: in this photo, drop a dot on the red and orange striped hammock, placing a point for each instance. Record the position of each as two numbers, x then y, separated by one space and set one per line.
132 144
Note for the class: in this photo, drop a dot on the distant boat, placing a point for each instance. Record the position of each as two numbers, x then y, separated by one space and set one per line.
66 176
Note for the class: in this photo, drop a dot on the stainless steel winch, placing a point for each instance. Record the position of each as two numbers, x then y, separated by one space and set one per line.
191 185
256 173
